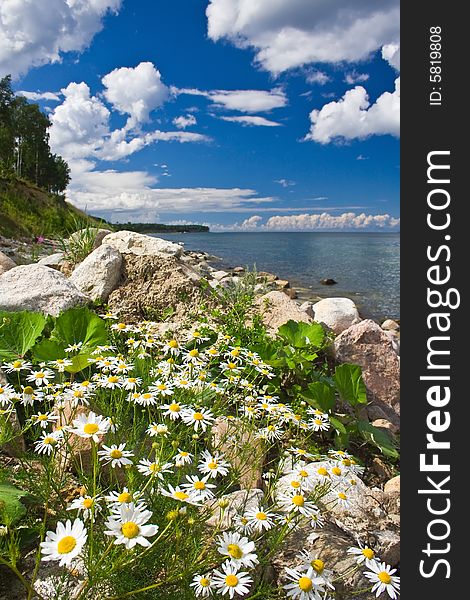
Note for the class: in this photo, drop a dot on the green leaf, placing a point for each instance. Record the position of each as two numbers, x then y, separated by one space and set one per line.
340 428
80 325
79 362
350 385
302 335
11 509
18 333
379 438
46 350
321 395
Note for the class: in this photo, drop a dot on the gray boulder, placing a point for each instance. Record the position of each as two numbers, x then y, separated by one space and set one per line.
98 275
6 263
38 288
53 260
276 308
336 313
129 242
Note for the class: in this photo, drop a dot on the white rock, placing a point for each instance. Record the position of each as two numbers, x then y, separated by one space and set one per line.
219 275
276 308
98 275
307 307
336 313
38 288
390 325
129 242
6 263
53 260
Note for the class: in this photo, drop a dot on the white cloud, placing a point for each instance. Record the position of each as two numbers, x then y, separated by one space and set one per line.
354 117
135 91
317 222
184 121
252 121
354 77
317 77
391 53
34 33
286 183
290 33
247 101
35 96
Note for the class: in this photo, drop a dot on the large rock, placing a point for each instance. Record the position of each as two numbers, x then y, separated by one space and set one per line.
53 260
129 242
6 263
367 345
276 308
38 288
336 313
98 275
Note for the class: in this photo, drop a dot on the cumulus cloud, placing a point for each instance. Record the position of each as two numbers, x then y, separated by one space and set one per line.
290 33
135 91
251 121
354 117
184 121
247 101
354 77
35 96
318 77
391 53
35 33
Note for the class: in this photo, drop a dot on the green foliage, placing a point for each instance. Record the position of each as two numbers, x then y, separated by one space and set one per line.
11 507
19 332
302 335
379 438
350 385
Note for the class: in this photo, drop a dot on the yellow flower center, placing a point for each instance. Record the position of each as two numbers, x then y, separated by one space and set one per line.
384 577
146 396
66 544
199 485
50 441
130 529
115 453
194 353
78 394
235 352
261 516
336 471
28 390
318 565
234 551
174 407
40 417
90 428
318 422
125 497
204 582
173 344
161 386
183 382
85 384
40 375
198 416
17 364
183 454
131 380
181 495
212 465
346 462
231 580
298 500
154 468
295 484
87 503
305 584
231 365
303 473
121 325
368 553
342 496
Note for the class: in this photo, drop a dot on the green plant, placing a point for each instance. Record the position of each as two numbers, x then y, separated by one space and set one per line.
19 332
80 240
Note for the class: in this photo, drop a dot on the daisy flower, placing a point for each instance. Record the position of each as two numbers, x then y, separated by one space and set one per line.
241 523
41 378
384 580
363 554
145 399
129 526
60 364
342 499
116 455
43 419
305 585
238 549
161 388
317 521
202 585
300 452
47 442
118 498
90 426
311 560
157 429
146 467
131 383
198 488
213 464
298 503
230 581
183 458
198 337
74 347
198 418
65 543
30 395
123 367
193 356
319 424
85 504
259 519
110 382
6 392
17 366
183 383
271 433
177 493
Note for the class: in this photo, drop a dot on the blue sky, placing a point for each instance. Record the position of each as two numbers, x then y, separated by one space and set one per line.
262 115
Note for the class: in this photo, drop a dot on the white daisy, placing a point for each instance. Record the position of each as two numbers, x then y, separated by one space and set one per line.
118 498
384 580
198 488
298 503
116 455
177 493
162 388
74 347
47 442
183 458
155 469
43 419
65 543
90 426
30 396
238 549
171 347
213 464
6 393
202 585
259 518
173 410
230 581
363 554
155 429
129 526
60 364
197 418
311 560
87 504
17 366
42 377
305 585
